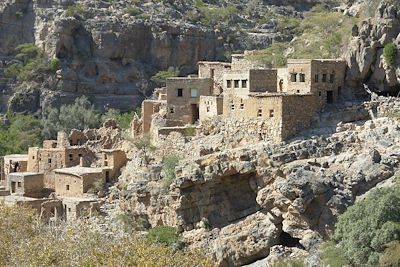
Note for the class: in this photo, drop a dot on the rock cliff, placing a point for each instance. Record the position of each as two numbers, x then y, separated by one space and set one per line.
262 200
365 56
109 50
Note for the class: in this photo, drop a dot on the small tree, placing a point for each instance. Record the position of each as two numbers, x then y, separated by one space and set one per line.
144 145
390 53
160 77
170 162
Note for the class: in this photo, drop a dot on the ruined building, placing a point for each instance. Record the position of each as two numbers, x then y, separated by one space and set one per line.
284 99
57 179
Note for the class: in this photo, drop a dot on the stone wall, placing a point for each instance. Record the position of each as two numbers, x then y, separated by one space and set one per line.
242 130
214 71
182 105
210 106
149 107
297 113
244 62
324 78
26 184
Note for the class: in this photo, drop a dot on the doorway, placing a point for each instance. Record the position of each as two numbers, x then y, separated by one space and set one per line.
195 113
107 176
13 187
329 97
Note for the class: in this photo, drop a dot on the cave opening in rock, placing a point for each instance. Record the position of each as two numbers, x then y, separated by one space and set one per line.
288 241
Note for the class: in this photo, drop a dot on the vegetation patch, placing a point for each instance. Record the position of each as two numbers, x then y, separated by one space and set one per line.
25 241
367 229
160 77
169 164
165 235
390 53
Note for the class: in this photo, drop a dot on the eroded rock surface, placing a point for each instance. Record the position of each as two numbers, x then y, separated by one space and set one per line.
241 205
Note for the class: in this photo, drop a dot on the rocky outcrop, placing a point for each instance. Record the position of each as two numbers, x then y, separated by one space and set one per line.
108 50
242 205
366 63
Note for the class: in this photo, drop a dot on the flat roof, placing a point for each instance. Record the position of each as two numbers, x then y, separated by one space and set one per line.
25 173
78 170
306 60
78 199
15 198
17 156
273 94
188 78
214 63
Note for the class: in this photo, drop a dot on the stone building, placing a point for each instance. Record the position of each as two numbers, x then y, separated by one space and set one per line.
210 106
26 184
13 163
243 82
112 162
214 71
76 181
55 155
285 99
183 99
321 77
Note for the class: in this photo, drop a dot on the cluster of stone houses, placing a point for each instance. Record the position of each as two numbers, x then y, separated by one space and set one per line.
58 178
285 99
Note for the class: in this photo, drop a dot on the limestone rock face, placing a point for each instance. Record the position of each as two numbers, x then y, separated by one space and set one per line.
109 54
364 56
266 200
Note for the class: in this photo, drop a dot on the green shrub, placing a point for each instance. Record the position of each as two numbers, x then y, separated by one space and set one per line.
160 77
364 229
133 11
75 10
332 255
165 235
123 119
390 53
25 241
79 115
23 132
54 65
169 164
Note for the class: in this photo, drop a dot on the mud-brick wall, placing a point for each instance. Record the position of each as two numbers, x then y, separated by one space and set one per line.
297 112
237 129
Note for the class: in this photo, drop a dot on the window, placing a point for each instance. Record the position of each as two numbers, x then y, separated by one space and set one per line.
208 108
298 91
259 113
320 93
244 83
324 78
316 78
33 157
19 185
49 160
229 83
67 187
71 157
236 83
271 113
293 77
241 106
105 163
332 78
302 77
232 106
80 155
193 92
171 110
179 92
